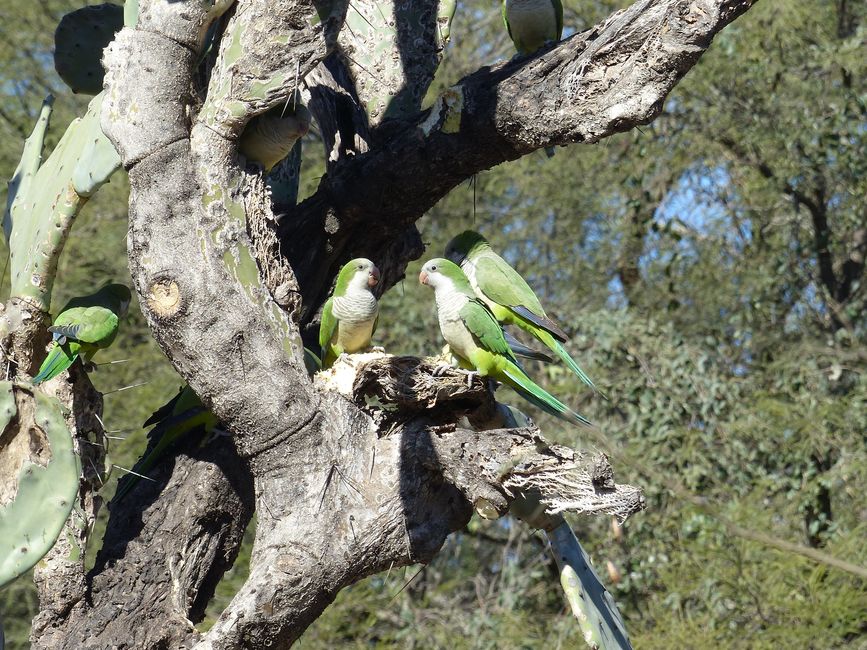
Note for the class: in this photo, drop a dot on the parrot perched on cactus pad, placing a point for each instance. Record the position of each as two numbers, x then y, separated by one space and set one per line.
349 316
85 325
475 338
508 295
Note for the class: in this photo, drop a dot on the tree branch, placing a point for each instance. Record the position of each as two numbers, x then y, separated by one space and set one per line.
597 83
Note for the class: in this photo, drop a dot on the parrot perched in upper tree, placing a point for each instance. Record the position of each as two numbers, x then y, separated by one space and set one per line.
532 23
474 336
507 294
84 325
268 138
349 316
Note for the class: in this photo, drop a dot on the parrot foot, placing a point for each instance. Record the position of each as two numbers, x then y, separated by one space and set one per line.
470 375
378 349
441 369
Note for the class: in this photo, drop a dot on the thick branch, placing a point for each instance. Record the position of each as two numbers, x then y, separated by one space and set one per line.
597 83
387 488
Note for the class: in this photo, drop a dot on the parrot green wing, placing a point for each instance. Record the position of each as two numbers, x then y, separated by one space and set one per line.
96 325
558 10
327 326
481 323
504 285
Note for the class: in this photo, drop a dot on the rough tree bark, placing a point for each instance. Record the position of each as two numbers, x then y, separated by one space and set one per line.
341 489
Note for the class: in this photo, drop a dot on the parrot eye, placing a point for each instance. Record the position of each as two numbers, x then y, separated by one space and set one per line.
433 268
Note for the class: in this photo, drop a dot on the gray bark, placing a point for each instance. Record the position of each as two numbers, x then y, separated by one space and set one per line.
341 490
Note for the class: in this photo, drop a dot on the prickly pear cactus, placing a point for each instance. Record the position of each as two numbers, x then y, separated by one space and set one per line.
44 198
79 40
392 79
39 479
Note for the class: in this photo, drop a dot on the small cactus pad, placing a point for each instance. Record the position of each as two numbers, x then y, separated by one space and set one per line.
79 41
46 491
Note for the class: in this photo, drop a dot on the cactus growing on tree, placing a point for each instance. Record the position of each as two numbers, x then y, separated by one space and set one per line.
42 488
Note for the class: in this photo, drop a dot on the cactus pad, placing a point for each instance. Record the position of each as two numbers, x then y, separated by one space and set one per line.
79 41
45 197
46 470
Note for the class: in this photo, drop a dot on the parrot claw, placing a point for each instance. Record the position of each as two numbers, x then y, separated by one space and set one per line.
441 369
378 349
470 375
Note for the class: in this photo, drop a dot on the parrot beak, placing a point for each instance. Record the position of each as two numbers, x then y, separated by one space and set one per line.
373 277
422 277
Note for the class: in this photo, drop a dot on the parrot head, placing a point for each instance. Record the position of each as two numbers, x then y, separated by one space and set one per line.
117 296
359 273
440 273
461 246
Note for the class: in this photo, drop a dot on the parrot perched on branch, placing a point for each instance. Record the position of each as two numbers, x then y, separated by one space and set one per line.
532 23
268 138
508 295
181 415
474 336
349 316
85 325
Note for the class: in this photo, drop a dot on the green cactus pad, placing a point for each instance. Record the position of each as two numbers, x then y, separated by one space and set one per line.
45 198
45 494
79 41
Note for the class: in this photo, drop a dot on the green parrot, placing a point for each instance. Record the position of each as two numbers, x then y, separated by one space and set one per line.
508 295
349 316
181 415
85 325
269 137
532 23
475 338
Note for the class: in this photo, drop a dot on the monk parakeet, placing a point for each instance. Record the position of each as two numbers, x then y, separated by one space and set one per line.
475 338
85 325
532 23
507 295
268 138
182 415
349 315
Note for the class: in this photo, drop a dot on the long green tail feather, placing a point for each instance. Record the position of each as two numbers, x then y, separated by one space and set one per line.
560 351
536 395
58 360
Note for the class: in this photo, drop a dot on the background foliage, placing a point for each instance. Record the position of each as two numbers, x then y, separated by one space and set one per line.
711 269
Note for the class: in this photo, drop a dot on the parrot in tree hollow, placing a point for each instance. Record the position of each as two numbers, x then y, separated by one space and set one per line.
532 23
475 338
268 138
508 295
349 316
85 325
